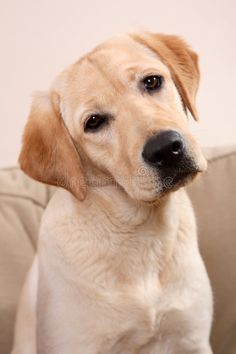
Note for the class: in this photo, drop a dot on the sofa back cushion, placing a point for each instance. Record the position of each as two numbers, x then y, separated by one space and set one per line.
214 200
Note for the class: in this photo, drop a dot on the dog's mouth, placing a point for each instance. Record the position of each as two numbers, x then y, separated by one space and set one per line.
176 179
172 180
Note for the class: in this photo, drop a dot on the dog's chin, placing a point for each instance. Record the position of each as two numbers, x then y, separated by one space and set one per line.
172 183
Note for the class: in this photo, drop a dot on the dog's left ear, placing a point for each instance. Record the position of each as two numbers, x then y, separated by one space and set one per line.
181 61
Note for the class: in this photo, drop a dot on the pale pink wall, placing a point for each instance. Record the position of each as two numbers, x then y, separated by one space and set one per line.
38 38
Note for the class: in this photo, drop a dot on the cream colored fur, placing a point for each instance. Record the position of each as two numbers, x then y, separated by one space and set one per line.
118 269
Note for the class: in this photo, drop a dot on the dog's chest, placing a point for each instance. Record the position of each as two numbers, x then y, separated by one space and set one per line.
144 296
139 316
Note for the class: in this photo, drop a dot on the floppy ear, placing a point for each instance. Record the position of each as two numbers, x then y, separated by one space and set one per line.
48 153
182 63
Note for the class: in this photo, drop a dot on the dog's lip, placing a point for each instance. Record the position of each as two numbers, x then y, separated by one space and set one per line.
183 175
179 179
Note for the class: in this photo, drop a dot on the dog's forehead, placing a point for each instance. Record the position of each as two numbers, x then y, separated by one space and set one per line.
105 73
115 57
121 50
122 53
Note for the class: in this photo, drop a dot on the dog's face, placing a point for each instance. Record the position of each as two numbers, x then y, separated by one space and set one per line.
118 115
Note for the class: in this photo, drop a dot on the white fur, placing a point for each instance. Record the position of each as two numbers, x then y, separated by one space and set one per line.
131 282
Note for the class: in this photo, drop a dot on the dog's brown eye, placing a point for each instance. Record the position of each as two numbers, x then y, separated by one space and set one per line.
152 83
95 122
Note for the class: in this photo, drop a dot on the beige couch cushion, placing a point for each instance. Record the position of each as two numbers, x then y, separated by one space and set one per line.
23 200
214 200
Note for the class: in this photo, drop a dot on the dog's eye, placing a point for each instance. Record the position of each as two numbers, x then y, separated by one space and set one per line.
95 122
153 82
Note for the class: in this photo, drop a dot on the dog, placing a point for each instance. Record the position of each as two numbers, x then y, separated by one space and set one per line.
117 269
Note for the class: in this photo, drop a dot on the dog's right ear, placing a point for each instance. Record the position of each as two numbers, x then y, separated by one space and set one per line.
48 153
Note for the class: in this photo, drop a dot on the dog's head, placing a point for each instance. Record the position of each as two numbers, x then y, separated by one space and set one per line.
118 115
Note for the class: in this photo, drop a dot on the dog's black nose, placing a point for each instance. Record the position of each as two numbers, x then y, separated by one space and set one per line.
164 149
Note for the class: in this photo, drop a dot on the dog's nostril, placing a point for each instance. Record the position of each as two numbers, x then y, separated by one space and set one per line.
158 159
177 147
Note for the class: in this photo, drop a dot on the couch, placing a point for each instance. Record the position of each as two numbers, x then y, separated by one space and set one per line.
22 202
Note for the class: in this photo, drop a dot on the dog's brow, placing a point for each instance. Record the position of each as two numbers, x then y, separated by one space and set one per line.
114 82
132 71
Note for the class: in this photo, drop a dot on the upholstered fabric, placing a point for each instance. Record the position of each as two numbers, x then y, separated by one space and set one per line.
214 200
23 200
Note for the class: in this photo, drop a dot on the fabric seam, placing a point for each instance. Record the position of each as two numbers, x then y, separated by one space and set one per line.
23 197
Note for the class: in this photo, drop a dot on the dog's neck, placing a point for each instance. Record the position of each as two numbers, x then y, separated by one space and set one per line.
146 230
135 238
146 234
125 210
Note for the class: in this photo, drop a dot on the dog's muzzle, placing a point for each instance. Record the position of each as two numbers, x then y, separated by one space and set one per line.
167 153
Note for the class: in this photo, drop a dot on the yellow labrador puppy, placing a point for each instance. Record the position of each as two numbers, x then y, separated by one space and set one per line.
118 269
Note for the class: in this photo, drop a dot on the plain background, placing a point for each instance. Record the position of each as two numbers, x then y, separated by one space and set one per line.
40 38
